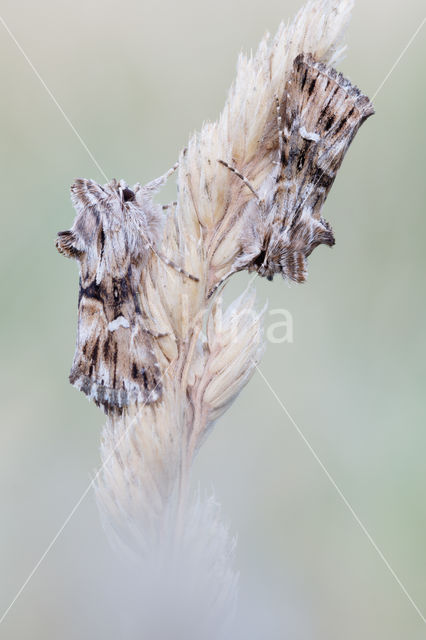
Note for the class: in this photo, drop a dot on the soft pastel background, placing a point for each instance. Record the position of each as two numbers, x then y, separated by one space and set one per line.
136 78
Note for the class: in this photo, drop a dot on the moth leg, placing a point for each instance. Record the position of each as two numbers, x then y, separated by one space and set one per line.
243 178
220 283
155 334
169 206
174 266
172 170
155 185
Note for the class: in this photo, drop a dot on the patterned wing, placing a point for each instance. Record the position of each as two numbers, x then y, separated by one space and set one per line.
322 113
114 362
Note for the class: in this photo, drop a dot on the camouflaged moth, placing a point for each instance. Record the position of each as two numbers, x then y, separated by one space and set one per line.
115 230
316 119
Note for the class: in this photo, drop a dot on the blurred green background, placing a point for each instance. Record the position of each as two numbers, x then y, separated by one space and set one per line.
136 79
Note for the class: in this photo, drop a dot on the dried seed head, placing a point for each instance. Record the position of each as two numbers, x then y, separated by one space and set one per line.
207 355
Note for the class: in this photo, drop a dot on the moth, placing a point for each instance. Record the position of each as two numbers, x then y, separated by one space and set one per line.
115 230
317 118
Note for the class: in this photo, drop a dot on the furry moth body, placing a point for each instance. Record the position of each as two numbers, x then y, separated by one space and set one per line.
316 120
114 231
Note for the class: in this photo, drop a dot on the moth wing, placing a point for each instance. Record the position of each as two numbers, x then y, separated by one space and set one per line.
323 112
86 194
114 362
68 244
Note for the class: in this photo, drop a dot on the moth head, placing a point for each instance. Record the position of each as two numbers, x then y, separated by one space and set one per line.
122 191
89 196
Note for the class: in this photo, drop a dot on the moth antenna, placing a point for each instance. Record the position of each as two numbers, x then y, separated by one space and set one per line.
243 178
174 266
172 170
280 130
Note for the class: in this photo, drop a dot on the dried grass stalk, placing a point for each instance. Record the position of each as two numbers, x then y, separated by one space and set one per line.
208 354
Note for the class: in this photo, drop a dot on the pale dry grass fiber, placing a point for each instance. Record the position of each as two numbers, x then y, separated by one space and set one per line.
209 354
